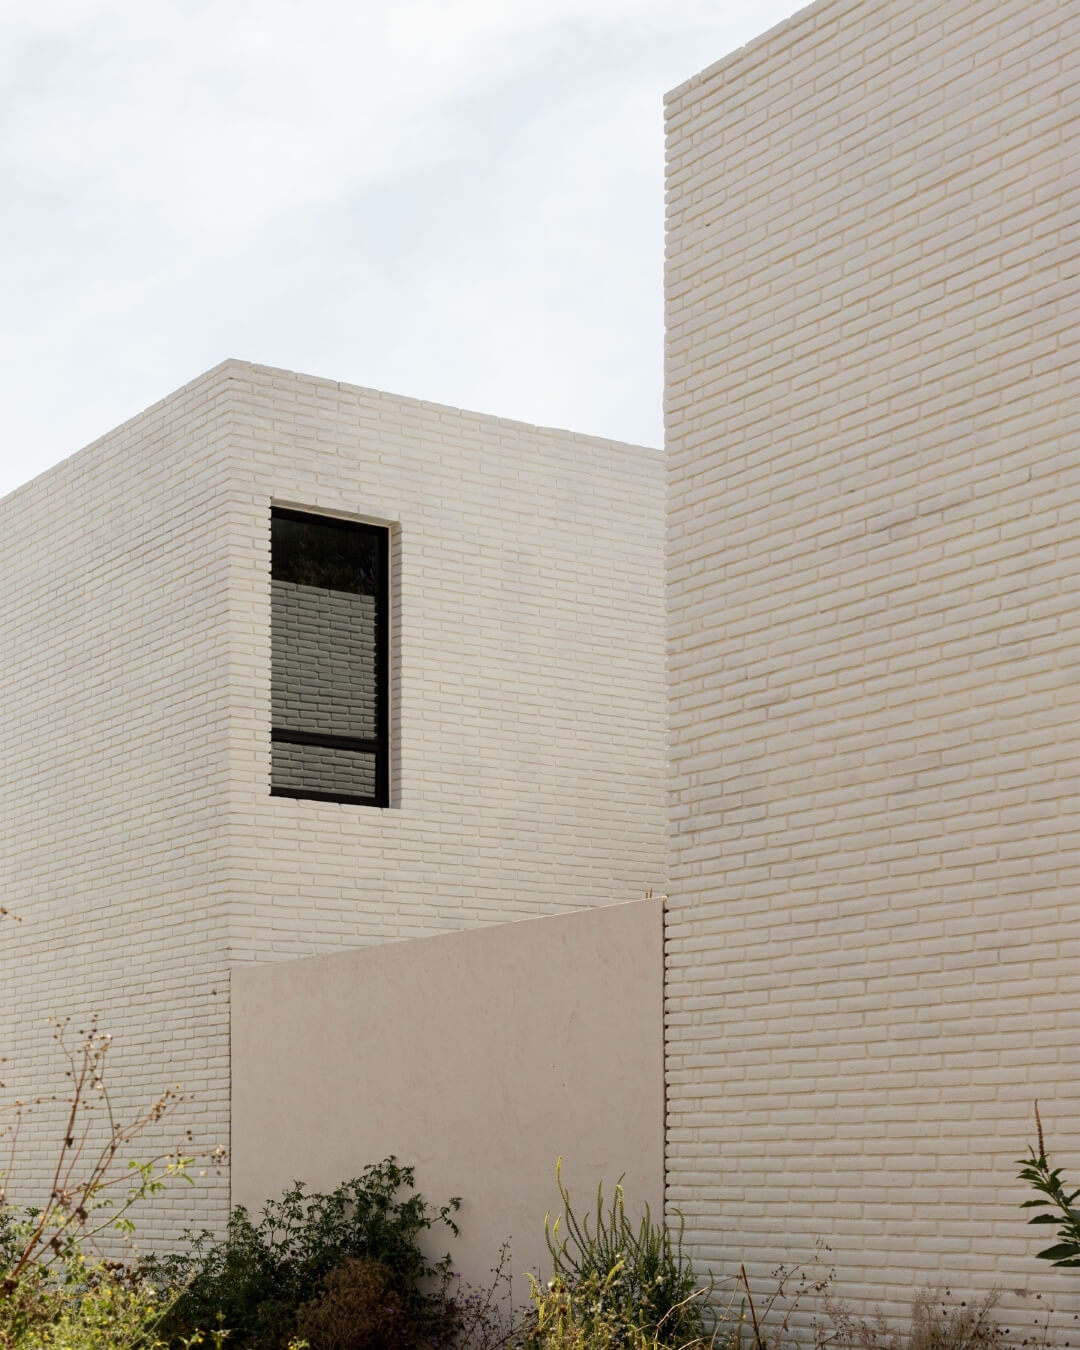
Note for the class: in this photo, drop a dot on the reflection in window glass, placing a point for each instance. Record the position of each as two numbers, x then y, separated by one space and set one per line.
328 675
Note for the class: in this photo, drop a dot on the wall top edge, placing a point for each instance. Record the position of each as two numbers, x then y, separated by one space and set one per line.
804 17
215 375
224 379
648 910
427 405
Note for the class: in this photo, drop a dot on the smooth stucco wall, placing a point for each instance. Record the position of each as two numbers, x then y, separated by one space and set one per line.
478 1057
138 838
873 307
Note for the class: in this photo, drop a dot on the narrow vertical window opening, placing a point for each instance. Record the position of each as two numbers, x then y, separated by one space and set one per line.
329 678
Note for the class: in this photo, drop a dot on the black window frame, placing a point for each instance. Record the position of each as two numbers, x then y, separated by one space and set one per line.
379 745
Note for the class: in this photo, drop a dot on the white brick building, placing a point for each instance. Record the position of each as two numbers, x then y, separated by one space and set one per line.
139 838
873 554
873 385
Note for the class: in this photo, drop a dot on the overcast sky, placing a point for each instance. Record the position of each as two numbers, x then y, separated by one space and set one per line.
458 200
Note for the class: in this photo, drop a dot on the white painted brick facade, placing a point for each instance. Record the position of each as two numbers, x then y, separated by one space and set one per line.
137 835
873 393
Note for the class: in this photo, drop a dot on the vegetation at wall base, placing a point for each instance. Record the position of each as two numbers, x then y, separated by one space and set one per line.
937 1321
346 1271
79 1305
593 1316
763 1321
1055 1197
609 1272
56 1291
309 1259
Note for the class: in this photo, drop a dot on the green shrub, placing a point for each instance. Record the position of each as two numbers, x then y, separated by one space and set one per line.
79 1306
593 1316
636 1278
254 1281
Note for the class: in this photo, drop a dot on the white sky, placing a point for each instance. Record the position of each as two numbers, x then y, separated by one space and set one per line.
458 200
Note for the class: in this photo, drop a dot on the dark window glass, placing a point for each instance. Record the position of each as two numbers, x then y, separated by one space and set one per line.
328 677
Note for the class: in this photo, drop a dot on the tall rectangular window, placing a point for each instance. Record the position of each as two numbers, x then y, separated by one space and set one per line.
328 599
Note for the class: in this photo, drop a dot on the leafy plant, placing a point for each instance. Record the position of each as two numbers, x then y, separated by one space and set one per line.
81 1306
639 1274
1047 1180
255 1280
593 1316
561 1321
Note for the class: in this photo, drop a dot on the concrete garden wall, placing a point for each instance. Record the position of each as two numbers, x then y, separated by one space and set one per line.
480 1057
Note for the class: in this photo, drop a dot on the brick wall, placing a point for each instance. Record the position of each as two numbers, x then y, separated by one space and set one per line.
873 306
526 671
114 661
137 835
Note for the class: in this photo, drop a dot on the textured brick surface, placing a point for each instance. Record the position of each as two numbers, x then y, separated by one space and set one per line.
873 303
137 835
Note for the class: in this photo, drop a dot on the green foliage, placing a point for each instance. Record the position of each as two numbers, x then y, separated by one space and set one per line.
1059 1200
593 1316
78 1305
638 1276
255 1280
53 1294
